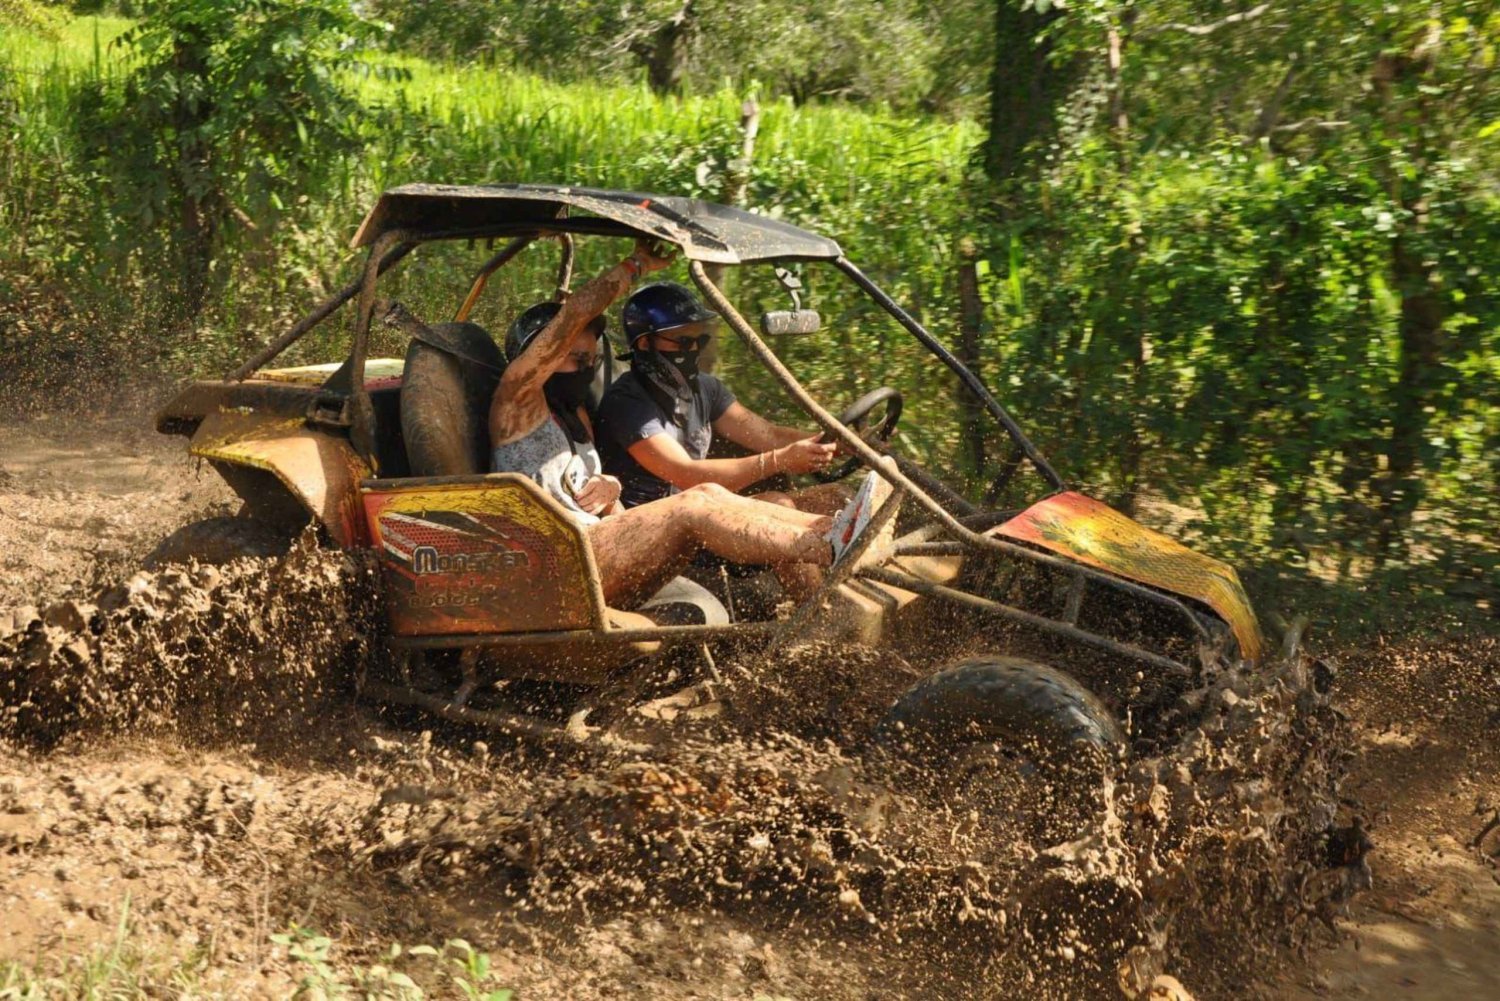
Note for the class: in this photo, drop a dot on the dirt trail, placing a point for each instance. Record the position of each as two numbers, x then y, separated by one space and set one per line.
1427 772
82 499
190 746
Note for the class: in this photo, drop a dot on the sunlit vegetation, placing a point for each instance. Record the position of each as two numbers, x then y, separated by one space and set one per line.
1218 263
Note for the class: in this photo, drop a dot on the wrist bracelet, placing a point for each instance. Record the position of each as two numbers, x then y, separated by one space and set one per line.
775 462
635 266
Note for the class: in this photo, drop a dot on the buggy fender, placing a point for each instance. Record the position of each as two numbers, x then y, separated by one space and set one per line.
1083 529
320 470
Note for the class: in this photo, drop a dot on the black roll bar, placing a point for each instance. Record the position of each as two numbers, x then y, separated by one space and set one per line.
969 379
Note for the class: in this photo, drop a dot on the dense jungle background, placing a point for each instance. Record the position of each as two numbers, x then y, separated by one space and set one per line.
1235 265
1241 258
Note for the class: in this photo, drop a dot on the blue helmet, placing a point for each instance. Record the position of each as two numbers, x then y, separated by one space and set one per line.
659 307
532 321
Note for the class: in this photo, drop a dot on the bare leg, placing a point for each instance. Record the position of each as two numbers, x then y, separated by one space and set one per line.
777 505
799 580
639 550
825 499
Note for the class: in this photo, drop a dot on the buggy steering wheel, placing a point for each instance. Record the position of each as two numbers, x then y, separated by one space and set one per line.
856 417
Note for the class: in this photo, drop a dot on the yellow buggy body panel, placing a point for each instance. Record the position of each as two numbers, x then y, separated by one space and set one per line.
1094 533
321 470
480 554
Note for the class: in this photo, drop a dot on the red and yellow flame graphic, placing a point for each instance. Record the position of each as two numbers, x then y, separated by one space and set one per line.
1085 530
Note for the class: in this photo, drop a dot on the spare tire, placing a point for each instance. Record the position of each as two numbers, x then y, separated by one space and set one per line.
217 541
1004 700
445 402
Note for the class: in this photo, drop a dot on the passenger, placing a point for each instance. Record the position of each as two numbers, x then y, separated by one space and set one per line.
539 427
656 423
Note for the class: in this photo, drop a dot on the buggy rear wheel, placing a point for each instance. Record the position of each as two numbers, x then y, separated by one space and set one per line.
217 541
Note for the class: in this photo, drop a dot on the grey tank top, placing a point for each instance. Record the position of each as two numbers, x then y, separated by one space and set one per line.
559 464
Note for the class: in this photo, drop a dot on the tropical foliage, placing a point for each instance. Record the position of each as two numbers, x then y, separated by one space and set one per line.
1233 262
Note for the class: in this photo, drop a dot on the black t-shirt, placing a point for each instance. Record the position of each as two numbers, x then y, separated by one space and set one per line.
630 413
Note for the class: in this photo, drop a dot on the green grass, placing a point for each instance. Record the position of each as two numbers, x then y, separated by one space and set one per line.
131 967
887 187
69 46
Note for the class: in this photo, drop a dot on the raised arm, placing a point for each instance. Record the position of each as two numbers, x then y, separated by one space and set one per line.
519 404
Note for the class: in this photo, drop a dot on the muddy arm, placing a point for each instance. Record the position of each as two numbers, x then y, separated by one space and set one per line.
519 404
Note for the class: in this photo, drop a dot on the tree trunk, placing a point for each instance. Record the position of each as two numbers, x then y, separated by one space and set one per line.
1024 89
737 171
1421 334
971 411
198 215
665 53
1420 328
736 184
1117 38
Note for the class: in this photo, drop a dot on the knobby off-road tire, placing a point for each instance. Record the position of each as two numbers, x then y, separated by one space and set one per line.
445 405
217 541
1022 744
1005 700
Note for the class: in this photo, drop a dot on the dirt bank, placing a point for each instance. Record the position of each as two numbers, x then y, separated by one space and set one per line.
191 767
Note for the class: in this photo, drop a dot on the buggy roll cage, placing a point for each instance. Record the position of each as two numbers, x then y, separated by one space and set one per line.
344 402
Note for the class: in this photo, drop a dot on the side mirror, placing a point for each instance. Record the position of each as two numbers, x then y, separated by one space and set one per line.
790 321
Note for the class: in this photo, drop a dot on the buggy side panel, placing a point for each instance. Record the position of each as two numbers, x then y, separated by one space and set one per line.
480 554
320 470
1090 532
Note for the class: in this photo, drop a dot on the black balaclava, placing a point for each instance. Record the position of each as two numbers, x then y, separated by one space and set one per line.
684 360
565 393
672 376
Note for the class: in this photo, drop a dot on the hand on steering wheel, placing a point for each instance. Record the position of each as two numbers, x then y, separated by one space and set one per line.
857 418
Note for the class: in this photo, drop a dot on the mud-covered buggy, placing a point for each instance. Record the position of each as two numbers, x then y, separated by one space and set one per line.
1066 617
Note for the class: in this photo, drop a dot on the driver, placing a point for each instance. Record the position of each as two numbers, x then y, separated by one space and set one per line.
658 421
539 427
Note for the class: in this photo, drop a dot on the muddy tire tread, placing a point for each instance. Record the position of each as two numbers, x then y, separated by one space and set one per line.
1003 699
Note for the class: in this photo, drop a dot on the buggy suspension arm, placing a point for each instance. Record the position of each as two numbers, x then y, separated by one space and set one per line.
1063 629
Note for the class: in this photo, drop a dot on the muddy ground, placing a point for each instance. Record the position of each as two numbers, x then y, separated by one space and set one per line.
189 786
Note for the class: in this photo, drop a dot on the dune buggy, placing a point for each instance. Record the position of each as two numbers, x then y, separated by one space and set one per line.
486 580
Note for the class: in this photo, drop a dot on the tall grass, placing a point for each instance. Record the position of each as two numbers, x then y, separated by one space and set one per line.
885 186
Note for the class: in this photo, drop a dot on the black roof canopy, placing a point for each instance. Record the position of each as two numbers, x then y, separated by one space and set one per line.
706 231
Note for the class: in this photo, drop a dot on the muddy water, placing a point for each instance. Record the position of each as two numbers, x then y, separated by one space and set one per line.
190 741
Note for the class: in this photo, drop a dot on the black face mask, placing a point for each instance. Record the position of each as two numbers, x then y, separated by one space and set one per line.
685 361
565 393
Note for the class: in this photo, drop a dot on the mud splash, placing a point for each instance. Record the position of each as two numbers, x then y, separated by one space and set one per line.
755 802
196 651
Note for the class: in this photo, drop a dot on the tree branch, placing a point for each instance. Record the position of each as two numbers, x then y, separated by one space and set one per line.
1312 123
1212 26
1270 112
